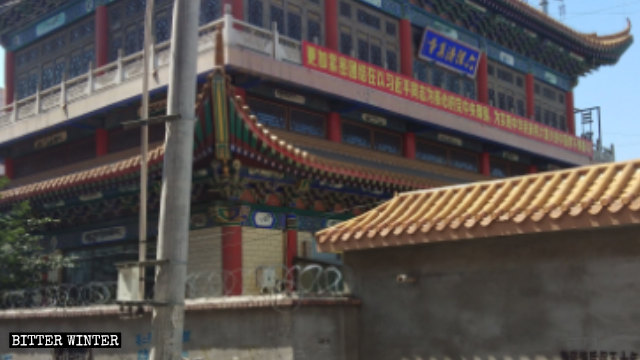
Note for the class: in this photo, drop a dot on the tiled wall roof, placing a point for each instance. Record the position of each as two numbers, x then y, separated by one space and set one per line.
579 198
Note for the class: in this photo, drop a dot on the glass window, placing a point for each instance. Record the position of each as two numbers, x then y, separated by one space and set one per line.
387 142
363 50
356 135
134 39
538 114
437 76
392 60
498 169
345 41
391 28
269 114
255 12
277 16
209 11
431 153
307 123
453 84
469 88
345 9
294 25
313 28
520 108
464 160
47 76
163 28
376 54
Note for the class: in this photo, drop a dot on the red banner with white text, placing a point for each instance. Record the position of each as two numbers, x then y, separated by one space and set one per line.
348 68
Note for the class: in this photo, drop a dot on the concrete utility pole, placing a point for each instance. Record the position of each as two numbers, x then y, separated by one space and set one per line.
144 143
173 230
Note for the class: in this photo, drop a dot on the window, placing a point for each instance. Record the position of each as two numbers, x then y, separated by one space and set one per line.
277 16
281 116
447 155
345 9
209 11
371 137
356 135
502 168
307 123
255 12
464 160
313 28
269 114
387 142
431 153
368 35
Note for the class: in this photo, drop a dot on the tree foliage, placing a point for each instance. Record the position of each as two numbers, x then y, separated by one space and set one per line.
22 258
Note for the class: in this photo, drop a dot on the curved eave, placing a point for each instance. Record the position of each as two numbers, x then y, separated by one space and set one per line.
590 45
290 153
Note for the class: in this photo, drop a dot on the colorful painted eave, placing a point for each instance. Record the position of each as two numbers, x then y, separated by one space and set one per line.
290 153
615 43
273 148
588 197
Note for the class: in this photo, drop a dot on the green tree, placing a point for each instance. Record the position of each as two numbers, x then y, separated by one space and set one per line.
22 258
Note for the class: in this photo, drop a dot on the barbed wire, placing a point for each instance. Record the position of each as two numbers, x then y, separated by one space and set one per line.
277 281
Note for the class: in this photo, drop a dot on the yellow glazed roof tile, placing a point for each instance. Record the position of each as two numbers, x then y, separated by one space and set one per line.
580 198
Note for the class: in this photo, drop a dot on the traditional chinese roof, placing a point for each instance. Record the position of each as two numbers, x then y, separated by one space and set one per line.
580 198
528 31
248 138
14 14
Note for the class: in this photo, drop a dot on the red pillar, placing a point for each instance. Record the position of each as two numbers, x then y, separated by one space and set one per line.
529 90
571 119
482 79
334 127
102 142
331 24
237 9
485 164
532 169
409 145
406 48
8 168
9 77
232 259
102 36
292 246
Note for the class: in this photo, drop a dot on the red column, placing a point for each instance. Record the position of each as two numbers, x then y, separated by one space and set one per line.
529 90
9 77
409 145
237 9
102 142
532 169
331 24
232 259
485 164
102 36
406 48
482 79
334 127
292 246
571 119
8 168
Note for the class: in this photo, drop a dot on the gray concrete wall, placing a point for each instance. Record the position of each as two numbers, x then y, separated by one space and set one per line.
571 295
299 332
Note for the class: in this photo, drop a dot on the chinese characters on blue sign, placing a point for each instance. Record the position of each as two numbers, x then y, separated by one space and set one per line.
449 53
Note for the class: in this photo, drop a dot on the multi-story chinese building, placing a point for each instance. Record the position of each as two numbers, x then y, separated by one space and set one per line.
309 111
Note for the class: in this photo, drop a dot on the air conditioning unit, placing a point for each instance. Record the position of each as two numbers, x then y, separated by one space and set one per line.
128 283
266 279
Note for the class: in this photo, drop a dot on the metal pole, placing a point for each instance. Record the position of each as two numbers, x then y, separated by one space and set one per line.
144 144
173 230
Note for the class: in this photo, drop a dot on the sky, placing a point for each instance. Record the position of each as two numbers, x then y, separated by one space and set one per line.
616 89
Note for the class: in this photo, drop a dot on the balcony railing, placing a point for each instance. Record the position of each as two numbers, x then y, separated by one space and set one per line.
129 68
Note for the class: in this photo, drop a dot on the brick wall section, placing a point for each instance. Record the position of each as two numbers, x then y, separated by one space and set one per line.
260 247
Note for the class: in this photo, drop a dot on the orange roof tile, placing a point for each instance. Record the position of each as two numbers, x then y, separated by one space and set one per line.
579 198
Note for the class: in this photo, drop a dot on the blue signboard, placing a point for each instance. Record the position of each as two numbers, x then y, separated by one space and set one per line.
449 53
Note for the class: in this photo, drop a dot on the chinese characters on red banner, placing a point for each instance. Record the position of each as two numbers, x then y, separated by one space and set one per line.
345 67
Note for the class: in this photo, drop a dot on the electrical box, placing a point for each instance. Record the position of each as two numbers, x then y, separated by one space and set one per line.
128 283
266 279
